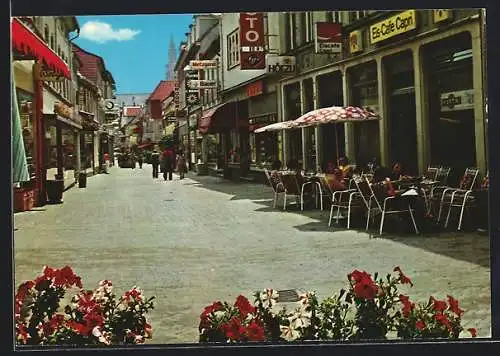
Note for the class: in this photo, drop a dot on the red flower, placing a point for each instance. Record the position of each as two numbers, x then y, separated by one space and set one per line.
365 288
93 319
357 276
438 305
443 319
407 305
53 324
133 293
79 328
420 325
473 332
454 306
234 330
66 278
402 278
255 331
244 306
216 306
22 333
86 302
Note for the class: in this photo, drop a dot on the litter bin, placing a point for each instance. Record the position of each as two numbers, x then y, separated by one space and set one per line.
82 180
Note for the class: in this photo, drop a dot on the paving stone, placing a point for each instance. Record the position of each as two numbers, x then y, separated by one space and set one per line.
190 242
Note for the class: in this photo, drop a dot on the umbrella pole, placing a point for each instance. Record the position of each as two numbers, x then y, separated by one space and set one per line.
337 143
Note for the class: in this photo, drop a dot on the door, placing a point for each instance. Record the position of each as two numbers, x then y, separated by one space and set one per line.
403 132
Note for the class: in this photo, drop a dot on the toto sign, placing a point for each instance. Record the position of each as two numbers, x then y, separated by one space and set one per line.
252 40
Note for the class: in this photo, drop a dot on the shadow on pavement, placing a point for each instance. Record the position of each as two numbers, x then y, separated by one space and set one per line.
472 247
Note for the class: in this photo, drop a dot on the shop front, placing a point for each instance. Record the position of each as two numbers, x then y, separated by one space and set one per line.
452 120
364 93
87 144
292 110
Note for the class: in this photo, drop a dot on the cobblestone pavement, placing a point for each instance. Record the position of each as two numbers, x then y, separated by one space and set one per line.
194 241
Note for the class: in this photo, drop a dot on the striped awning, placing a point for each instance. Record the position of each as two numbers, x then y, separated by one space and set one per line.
20 171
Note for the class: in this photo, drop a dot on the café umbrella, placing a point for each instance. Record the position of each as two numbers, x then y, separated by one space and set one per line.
335 115
277 126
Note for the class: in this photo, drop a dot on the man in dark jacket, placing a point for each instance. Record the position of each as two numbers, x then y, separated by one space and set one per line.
155 161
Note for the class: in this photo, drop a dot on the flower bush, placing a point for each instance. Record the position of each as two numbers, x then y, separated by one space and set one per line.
370 308
93 317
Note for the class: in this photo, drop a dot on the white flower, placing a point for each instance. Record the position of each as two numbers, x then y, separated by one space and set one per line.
305 298
219 314
269 297
289 333
96 332
300 319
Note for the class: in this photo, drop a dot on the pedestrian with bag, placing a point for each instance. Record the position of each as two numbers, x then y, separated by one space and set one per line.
181 164
155 162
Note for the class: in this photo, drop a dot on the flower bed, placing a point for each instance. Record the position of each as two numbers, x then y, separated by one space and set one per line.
93 316
370 308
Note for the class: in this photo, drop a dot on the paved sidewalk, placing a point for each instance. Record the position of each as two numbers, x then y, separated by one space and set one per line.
193 241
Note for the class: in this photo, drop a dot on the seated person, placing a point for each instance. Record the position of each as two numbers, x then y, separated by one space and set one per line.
345 167
293 166
397 171
330 168
381 179
335 180
275 168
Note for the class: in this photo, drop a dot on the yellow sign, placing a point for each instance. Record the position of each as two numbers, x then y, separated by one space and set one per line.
395 25
355 41
441 15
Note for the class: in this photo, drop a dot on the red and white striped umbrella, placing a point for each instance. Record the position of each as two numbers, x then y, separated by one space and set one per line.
283 125
335 114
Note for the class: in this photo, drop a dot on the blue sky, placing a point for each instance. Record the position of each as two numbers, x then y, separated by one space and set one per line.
134 47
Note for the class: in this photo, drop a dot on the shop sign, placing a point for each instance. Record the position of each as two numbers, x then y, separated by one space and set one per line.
255 89
47 75
328 37
281 64
393 26
457 100
355 41
252 41
63 110
192 95
441 15
203 64
202 84
176 96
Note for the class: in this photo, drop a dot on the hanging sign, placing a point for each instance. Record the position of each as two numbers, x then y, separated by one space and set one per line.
441 15
328 37
252 41
395 25
355 41
281 64
203 64
192 95
202 84
255 89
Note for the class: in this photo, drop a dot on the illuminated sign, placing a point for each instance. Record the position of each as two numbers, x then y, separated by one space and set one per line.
393 26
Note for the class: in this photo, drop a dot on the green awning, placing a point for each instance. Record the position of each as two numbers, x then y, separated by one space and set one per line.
19 163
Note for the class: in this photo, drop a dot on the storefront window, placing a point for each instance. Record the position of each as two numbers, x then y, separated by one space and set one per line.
69 149
25 102
451 103
365 94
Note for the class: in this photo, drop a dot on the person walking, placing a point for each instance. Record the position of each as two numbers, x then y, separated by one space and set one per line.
106 162
181 164
155 161
140 159
168 163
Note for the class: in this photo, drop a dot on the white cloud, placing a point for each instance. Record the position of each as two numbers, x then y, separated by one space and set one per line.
102 32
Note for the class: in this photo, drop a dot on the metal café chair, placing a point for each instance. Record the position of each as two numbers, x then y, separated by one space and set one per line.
347 199
463 196
276 185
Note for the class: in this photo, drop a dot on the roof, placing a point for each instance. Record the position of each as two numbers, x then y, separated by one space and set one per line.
162 90
90 63
131 110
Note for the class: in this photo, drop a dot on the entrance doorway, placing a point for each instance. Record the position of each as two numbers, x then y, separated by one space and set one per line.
402 112
403 132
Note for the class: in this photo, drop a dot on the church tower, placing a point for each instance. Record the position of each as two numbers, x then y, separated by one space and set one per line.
172 58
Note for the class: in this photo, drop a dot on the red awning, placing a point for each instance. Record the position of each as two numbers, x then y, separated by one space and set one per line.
206 123
26 42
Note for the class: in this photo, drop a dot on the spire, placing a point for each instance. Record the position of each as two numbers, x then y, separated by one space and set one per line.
172 57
